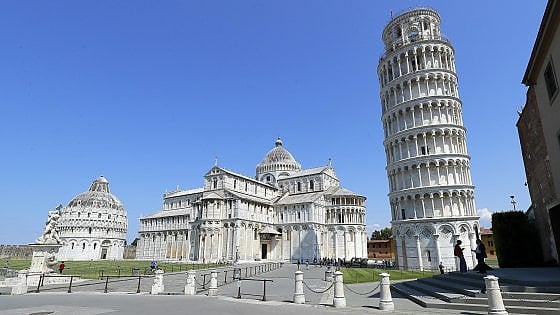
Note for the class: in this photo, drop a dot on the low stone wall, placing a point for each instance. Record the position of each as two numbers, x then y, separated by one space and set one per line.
16 251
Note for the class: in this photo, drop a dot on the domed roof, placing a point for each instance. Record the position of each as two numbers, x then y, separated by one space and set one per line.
98 196
278 155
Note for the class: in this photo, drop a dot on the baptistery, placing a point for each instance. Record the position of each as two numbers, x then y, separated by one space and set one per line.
93 225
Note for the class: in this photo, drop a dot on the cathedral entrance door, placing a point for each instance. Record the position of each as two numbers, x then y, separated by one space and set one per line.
264 251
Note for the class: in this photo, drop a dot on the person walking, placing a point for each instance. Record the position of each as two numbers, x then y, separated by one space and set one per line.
458 252
441 267
61 267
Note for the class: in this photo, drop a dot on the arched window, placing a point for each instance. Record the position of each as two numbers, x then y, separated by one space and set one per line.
89 230
83 245
298 186
312 185
215 183
94 245
72 246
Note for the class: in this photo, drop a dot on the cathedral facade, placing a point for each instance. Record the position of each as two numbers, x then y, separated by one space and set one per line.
283 213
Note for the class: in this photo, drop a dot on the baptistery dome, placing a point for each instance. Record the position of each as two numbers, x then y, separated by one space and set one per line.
277 163
93 225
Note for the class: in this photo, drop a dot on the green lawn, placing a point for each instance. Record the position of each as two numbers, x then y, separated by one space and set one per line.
358 275
95 269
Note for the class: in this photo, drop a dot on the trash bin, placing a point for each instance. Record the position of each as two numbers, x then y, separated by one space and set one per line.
135 271
237 273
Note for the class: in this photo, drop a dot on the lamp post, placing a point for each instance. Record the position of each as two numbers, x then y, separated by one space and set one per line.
513 202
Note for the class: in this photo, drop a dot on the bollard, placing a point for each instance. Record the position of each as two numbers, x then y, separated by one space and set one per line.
299 296
385 298
157 286
495 302
339 299
213 288
329 274
190 287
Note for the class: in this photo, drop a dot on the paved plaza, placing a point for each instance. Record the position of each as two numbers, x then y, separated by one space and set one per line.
88 297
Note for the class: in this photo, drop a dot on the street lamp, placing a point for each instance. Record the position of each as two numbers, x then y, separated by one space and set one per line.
513 202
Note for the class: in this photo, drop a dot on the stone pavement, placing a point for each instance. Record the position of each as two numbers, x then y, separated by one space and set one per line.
87 298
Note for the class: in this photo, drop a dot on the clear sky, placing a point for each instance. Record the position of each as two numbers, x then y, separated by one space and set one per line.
148 93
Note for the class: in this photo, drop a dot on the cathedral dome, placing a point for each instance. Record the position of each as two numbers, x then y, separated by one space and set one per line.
278 155
277 160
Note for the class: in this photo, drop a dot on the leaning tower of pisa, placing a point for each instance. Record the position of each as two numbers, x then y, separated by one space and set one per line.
428 166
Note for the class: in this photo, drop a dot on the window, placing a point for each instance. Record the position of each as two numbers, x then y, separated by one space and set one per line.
235 184
94 245
84 246
255 236
424 151
299 215
298 186
89 230
403 214
429 256
72 245
268 178
215 183
550 80
311 185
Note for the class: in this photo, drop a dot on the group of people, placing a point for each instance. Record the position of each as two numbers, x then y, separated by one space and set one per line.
480 253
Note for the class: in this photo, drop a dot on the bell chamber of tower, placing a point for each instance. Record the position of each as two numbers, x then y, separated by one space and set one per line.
431 194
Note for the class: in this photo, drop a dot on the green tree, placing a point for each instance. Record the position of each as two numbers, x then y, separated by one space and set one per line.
382 234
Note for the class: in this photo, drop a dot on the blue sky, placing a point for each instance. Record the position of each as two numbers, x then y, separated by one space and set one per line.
148 94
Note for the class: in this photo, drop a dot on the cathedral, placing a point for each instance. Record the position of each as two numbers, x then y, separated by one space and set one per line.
283 213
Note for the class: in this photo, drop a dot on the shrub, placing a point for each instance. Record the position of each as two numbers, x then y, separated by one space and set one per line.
516 240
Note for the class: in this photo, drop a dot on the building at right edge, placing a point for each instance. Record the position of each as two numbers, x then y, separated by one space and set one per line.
428 166
539 132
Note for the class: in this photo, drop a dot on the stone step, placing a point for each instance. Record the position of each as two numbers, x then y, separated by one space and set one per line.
427 301
444 294
415 296
512 302
476 279
450 295
457 287
531 296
